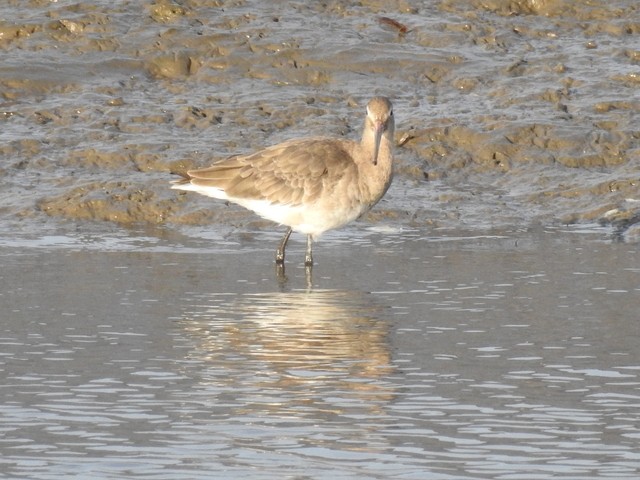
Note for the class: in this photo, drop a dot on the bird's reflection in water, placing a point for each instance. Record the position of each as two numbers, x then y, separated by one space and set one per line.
312 352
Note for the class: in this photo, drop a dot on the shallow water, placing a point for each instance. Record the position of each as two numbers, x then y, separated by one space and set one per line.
512 355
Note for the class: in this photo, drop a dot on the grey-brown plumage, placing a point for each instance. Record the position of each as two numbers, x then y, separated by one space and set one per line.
311 185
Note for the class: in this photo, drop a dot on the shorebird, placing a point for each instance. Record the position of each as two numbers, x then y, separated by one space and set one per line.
310 184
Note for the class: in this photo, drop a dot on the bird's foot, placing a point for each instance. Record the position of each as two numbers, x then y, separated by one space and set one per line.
308 260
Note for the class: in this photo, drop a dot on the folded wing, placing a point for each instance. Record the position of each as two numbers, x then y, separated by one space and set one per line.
290 173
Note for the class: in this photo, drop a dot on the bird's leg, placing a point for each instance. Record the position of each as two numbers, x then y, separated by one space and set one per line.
280 250
308 258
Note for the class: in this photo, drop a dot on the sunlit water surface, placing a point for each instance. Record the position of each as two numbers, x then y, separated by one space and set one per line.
510 356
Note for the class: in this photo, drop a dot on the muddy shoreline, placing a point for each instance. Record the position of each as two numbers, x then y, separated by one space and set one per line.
509 113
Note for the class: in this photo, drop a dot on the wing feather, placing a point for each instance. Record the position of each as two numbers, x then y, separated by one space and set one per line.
292 173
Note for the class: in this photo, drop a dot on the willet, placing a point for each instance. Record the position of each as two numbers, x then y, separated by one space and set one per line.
311 184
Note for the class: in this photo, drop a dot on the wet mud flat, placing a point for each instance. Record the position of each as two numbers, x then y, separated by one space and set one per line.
508 112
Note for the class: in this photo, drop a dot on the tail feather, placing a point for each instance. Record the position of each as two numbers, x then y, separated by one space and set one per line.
186 178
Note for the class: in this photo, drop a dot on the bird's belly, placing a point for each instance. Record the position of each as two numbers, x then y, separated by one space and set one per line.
310 219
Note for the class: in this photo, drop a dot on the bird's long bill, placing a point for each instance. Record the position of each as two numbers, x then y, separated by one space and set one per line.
379 130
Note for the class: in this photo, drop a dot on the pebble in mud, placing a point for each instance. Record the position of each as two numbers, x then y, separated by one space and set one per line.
507 112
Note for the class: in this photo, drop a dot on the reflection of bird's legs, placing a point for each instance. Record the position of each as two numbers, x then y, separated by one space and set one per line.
280 250
280 275
308 276
308 258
